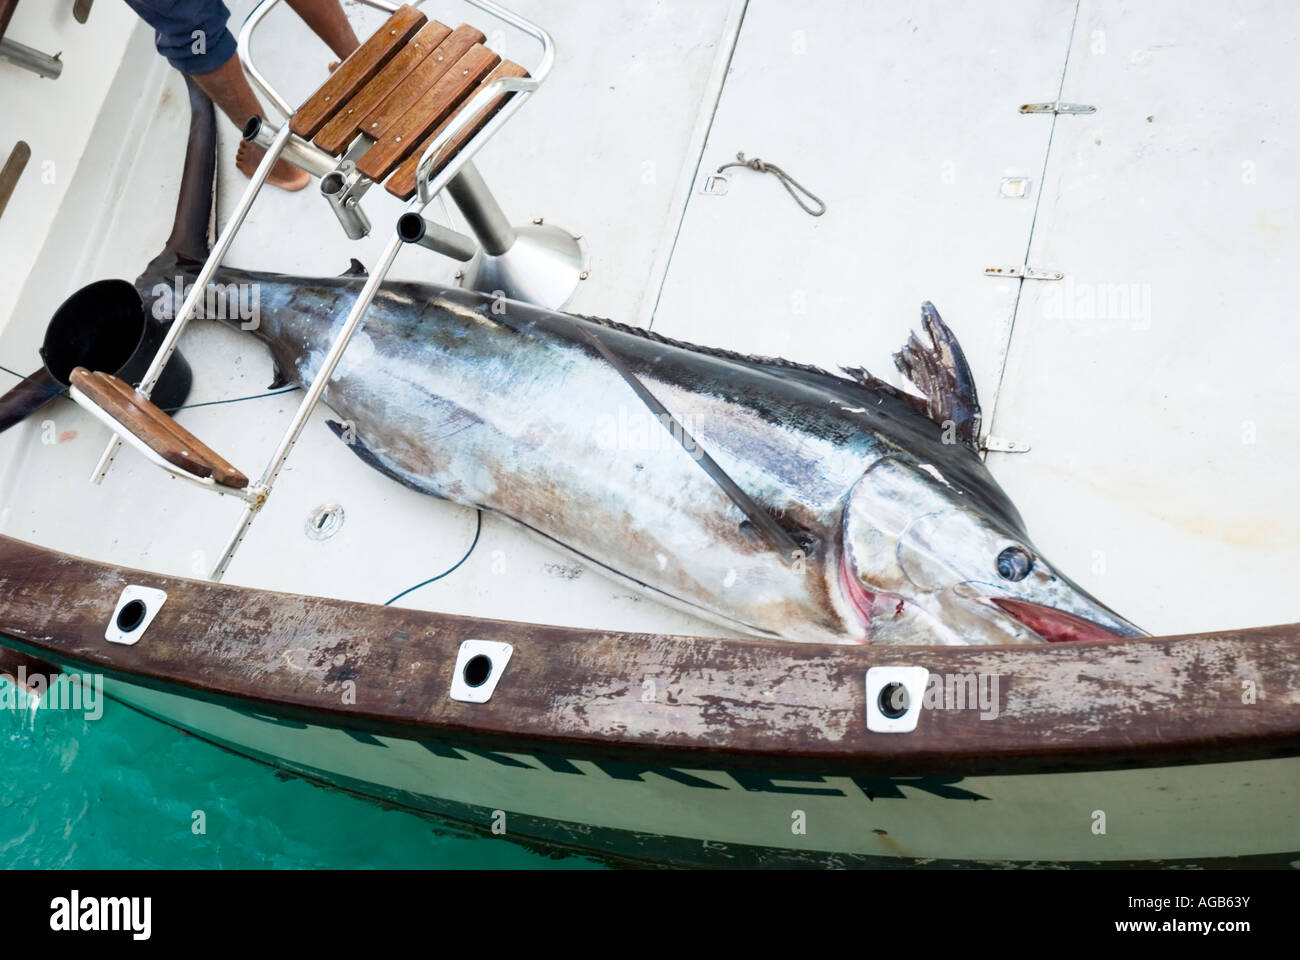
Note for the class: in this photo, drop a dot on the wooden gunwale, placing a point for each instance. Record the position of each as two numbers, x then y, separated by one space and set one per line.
664 700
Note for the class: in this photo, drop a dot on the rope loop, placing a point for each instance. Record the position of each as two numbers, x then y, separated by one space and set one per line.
792 186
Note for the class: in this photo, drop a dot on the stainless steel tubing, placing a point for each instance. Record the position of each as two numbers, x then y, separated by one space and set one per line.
415 229
297 151
21 55
334 188
481 211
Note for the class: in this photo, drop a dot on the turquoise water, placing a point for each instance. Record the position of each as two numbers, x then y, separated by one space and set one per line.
121 791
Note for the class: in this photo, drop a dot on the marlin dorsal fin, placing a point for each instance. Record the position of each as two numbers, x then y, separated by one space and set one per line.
940 372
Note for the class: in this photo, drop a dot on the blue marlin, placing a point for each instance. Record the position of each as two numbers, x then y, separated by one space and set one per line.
903 535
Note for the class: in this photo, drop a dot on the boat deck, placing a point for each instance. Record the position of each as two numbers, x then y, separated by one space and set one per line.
1154 382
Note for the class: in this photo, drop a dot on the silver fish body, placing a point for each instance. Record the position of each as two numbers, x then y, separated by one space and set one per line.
509 408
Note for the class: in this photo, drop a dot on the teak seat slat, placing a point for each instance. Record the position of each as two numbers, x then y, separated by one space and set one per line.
437 103
155 428
402 181
356 71
336 135
411 90
420 80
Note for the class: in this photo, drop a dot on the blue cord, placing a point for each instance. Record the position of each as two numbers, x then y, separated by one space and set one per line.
478 529
187 406
215 403
14 373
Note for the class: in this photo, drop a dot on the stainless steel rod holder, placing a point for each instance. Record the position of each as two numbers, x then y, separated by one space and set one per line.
415 229
297 151
346 204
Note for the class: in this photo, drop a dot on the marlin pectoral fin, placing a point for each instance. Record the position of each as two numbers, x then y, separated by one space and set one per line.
348 436
367 456
939 370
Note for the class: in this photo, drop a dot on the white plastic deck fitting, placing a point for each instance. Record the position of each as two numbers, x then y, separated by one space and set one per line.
135 610
903 688
473 681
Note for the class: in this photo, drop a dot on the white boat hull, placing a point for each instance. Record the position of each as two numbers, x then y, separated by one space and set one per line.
1247 812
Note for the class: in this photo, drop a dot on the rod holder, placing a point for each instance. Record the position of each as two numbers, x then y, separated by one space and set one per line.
297 151
346 204
415 229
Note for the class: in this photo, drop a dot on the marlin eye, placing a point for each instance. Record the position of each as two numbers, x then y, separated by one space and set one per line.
1014 563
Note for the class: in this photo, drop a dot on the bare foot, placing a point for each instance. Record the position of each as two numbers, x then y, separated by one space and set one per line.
283 175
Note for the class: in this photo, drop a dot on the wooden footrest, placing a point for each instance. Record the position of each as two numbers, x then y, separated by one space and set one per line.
155 428
401 88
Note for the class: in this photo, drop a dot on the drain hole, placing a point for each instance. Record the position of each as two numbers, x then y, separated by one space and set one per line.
477 670
893 700
131 616
323 522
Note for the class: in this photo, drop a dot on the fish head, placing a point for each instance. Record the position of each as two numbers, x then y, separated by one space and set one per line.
927 561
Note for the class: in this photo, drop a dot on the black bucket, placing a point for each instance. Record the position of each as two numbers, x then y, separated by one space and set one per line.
105 327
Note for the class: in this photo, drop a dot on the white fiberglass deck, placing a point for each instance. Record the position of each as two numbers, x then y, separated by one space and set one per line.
1153 382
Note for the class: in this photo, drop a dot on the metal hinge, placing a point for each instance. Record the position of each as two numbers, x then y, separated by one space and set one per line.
1023 273
992 444
1057 108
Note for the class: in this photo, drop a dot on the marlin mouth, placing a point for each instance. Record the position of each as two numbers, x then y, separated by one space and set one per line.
1051 624
1054 626
860 599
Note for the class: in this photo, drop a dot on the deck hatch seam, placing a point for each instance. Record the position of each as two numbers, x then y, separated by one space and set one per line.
699 163
1029 245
